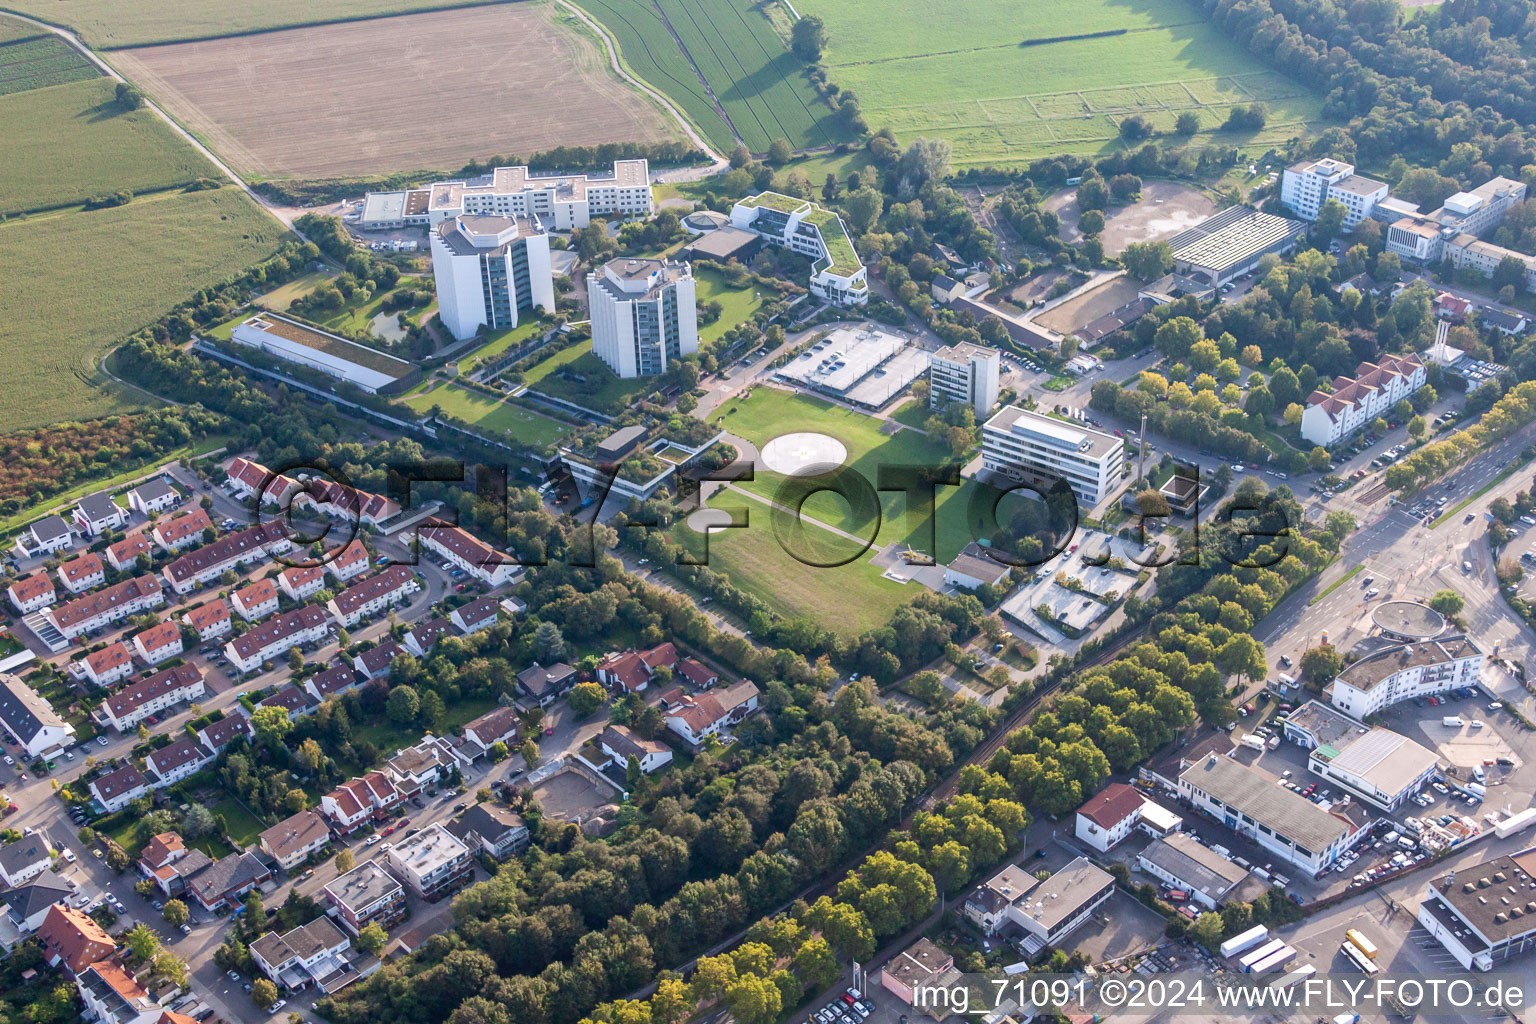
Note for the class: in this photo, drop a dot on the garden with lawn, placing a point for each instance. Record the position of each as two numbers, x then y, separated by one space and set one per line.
504 416
738 305
576 375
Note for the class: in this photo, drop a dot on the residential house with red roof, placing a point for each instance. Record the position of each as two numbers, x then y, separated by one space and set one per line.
696 717
218 735
211 620
349 563
106 607
108 665
301 582
124 555
1356 402
333 682
135 702
276 637
697 673
356 802
232 552
180 532
158 643
72 940
82 572
169 863
255 600
477 615
374 594
118 789
112 996
292 840
498 725
31 593
465 551
176 761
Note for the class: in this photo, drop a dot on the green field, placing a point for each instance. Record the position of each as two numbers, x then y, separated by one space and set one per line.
762 87
738 305
14 28
985 77
498 417
77 283
500 341
68 143
107 24
40 62
598 389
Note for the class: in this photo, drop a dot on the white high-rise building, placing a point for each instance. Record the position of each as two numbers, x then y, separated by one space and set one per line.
1039 450
1308 185
644 315
964 373
490 270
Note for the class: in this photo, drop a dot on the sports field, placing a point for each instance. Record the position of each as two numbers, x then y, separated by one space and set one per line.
1002 80
761 87
455 86
77 283
107 24
39 62
69 142
508 417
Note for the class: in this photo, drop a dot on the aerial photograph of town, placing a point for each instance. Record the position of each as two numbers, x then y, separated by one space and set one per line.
767 511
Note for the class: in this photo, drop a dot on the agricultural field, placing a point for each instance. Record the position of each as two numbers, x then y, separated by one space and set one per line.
63 303
994 81
14 28
761 87
112 24
525 78
496 416
70 142
39 62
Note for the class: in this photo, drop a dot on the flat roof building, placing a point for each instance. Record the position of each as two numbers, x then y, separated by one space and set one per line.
564 201
1040 450
837 273
295 342
1486 913
967 373
1043 913
1182 862
644 315
490 271
1404 671
1230 244
1306 186
432 863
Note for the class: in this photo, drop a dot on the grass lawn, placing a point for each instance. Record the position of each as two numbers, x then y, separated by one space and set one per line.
67 143
500 341
106 24
1006 82
56 320
355 316
738 304
913 413
69 497
283 296
508 416
597 389
243 826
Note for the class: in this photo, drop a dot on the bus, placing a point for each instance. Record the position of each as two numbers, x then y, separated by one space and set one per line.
1362 943
1359 959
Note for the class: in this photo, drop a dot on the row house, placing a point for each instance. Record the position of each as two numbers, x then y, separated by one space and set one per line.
232 552
338 501
181 532
118 789
255 601
1356 402
158 643
633 671
110 995
32 593
333 682
82 572
498 725
291 841
135 702
276 637
374 594
72 940
376 662
247 478
154 495
98 513
176 761
218 735
425 765
365 895
350 562
697 717
357 802
425 636
210 620
477 615
125 554
301 582
106 607
109 665
170 864
465 551
311 954
291 699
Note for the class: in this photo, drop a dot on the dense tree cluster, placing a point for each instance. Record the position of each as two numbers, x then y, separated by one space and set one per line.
1434 460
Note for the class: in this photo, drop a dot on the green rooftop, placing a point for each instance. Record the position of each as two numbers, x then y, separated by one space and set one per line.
844 260
775 201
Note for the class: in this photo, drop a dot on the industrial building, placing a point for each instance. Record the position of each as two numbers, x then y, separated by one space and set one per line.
1376 765
1485 913
964 373
837 273
1403 671
1039 913
1182 862
865 365
1039 450
644 315
295 342
490 270
1229 244
562 201
1283 823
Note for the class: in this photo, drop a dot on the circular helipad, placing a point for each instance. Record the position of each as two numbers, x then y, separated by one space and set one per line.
803 454
1408 620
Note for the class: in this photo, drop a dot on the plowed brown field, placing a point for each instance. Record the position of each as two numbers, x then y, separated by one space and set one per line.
413 92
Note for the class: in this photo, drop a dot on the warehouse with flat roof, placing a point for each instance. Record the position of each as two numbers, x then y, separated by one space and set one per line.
1231 243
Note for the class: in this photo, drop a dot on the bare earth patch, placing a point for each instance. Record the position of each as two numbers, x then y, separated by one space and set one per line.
1084 309
414 92
1165 209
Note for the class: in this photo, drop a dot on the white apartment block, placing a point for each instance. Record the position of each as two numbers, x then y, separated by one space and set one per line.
465 551
105 607
374 594
1405 671
490 271
129 706
431 863
276 637
1306 186
1356 402
562 202
1042 912
1484 257
1039 450
964 373
1424 237
837 273
644 315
